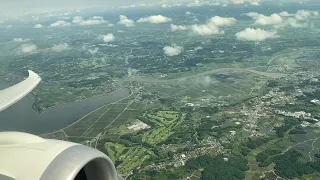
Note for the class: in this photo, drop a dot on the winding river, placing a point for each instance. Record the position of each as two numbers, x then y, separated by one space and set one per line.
21 116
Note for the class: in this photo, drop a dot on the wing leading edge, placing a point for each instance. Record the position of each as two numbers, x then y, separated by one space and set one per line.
16 92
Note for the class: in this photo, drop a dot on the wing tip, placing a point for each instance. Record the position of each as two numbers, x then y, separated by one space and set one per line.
34 75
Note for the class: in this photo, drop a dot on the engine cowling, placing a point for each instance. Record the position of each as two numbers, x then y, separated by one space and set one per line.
28 157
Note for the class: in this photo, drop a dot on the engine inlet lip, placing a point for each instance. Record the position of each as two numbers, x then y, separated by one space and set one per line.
70 161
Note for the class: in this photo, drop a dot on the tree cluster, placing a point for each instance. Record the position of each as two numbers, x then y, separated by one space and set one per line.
254 143
288 124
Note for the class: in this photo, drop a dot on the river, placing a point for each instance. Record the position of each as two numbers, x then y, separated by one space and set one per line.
21 116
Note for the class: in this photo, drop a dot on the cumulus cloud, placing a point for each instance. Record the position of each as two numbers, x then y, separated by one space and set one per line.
60 47
28 48
222 21
126 21
251 2
108 37
128 6
304 14
37 26
261 19
250 34
212 26
95 20
283 19
292 22
60 24
178 27
188 13
173 50
35 18
198 48
284 14
19 40
93 51
206 29
154 19
164 5
237 1
194 3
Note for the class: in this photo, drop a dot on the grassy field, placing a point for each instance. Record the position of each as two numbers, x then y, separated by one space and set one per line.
165 122
131 157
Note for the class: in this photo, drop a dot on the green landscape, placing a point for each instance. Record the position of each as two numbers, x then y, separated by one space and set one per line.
208 92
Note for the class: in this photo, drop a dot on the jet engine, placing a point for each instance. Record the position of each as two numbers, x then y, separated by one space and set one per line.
25 156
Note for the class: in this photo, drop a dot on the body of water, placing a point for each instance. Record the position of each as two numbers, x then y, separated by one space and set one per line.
21 116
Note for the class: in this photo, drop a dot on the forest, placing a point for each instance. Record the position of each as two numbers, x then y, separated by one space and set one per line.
214 168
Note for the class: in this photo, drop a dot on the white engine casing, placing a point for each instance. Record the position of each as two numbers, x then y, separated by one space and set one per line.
28 157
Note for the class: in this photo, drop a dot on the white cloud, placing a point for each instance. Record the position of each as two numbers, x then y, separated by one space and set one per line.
28 48
154 19
285 14
172 50
255 2
95 20
60 23
284 18
304 14
178 27
93 51
198 48
300 18
35 18
212 26
188 13
215 4
108 37
60 47
110 25
125 21
237 1
37 26
128 6
19 40
252 2
206 29
194 3
294 23
221 21
261 19
259 34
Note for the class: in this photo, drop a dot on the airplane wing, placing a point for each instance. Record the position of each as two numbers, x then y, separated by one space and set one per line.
25 156
16 92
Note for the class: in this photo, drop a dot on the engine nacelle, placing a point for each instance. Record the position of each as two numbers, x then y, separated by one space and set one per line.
28 157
